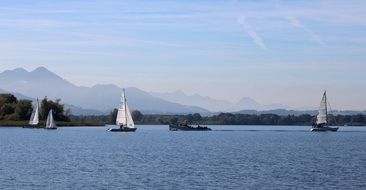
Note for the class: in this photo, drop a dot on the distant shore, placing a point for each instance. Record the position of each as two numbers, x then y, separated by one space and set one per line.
101 124
59 123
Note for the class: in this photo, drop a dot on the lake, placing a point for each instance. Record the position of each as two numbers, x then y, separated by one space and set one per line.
229 157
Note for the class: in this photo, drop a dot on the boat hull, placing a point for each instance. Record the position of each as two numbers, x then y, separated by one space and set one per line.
176 127
123 129
50 128
33 126
324 129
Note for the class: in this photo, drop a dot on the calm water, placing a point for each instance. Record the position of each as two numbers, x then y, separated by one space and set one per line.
233 157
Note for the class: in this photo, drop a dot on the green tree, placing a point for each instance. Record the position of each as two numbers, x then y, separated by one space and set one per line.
45 108
113 116
7 99
7 109
173 120
137 115
197 117
189 118
358 119
23 109
57 109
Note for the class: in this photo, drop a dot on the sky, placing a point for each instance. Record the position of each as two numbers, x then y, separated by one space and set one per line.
274 51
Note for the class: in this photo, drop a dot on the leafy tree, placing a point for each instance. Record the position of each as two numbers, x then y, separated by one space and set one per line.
113 116
7 99
174 120
12 109
23 109
7 105
57 109
197 117
44 109
358 119
7 109
189 118
137 115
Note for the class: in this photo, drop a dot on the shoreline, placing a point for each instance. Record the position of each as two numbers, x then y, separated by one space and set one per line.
12 124
59 124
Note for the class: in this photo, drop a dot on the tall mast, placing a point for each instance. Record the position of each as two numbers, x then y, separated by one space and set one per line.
38 107
38 111
326 105
125 104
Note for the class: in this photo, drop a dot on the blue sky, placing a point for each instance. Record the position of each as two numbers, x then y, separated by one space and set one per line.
273 51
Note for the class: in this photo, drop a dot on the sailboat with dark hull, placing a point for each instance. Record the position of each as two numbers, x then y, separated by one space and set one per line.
322 117
124 118
34 119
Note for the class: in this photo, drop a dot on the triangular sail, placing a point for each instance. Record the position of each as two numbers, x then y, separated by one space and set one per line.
50 123
34 119
124 117
130 123
121 116
322 115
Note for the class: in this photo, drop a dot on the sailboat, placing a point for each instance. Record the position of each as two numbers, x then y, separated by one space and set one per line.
322 117
124 118
50 123
34 119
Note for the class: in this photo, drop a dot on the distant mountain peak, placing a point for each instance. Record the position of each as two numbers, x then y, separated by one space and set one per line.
41 70
247 100
20 70
177 92
105 85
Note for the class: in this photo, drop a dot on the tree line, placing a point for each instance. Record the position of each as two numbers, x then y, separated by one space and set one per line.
13 109
248 119
229 119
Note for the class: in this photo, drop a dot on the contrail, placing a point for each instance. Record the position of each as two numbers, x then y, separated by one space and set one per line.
256 38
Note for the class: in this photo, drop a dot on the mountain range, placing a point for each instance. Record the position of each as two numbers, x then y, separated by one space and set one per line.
215 105
101 99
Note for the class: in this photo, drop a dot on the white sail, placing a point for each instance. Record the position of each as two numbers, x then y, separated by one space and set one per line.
124 117
34 119
322 115
50 123
121 116
130 123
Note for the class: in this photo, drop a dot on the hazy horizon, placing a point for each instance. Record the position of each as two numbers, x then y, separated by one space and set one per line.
276 51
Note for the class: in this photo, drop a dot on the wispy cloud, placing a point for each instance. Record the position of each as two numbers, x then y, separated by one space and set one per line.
256 38
296 23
